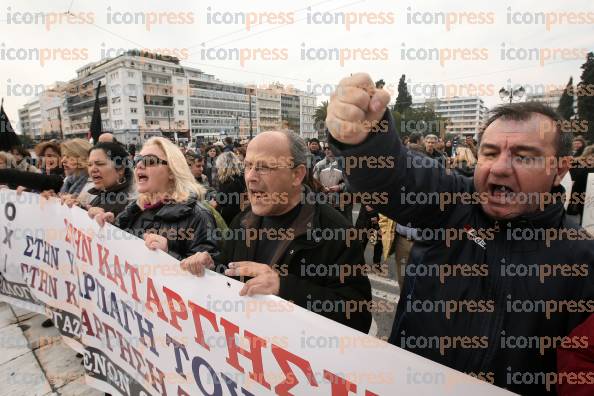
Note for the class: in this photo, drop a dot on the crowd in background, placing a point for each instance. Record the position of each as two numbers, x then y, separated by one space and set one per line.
97 179
177 198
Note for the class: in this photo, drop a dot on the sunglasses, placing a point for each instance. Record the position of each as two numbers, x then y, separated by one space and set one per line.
148 160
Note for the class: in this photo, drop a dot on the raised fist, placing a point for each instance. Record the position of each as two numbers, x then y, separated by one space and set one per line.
355 108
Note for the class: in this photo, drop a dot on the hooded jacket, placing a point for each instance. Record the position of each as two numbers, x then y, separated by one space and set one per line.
479 295
187 225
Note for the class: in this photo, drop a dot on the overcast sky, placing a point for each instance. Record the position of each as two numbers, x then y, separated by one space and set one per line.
387 38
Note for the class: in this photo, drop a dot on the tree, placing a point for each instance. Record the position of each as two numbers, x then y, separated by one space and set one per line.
585 95
404 99
320 115
425 121
566 102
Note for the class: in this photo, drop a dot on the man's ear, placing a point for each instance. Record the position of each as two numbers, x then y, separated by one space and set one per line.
563 165
300 172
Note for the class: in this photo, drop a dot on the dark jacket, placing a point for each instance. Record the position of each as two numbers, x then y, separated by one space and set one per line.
229 196
187 226
115 199
309 267
579 174
576 358
32 181
491 318
463 169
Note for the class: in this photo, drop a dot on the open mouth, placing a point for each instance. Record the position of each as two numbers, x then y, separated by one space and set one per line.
142 178
501 191
257 194
96 179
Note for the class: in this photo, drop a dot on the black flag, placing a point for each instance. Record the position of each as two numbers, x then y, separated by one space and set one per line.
8 138
96 129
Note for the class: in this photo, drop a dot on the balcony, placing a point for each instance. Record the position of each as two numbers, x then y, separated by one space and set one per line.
152 100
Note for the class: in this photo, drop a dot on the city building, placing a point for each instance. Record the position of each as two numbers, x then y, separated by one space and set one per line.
144 94
465 115
551 98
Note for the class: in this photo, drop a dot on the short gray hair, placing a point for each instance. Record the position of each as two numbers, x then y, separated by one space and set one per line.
299 151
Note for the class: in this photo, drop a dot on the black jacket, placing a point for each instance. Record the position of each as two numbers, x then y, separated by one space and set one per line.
579 173
32 181
187 226
310 267
113 200
229 197
419 328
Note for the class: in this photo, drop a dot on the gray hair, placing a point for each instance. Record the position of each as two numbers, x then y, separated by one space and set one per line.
299 150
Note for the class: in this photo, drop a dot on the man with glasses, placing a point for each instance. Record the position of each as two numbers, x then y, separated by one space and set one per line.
485 280
287 245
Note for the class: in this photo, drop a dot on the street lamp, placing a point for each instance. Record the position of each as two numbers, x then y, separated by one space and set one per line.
512 94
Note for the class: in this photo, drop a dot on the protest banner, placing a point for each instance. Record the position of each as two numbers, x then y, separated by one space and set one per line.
147 328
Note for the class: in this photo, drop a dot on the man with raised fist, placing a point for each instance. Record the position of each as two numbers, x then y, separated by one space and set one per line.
501 276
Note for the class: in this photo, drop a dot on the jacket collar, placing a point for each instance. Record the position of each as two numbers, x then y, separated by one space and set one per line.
116 188
550 217
175 211
308 217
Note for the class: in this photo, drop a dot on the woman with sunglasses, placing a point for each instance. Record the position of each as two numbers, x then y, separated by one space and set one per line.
168 214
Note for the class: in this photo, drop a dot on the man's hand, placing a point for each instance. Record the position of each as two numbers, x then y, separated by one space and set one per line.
264 280
355 108
196 263
155 241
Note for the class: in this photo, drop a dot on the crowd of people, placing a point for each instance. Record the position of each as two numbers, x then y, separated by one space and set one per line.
251 209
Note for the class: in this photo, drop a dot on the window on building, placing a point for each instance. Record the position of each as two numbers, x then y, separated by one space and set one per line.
115 99
181 112
133 99
180 102
130 74
133 110
134 121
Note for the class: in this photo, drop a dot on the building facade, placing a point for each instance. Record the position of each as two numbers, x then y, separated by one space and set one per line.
552 99
144 94
465 115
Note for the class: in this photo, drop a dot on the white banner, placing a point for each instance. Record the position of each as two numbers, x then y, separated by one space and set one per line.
147 328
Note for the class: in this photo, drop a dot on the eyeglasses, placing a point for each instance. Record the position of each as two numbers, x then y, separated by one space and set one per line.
262 169
148 160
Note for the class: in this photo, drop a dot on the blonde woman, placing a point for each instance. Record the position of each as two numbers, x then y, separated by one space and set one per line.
168 214
465 161
231 185
75 156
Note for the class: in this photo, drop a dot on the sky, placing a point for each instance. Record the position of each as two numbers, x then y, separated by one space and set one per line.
460 48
